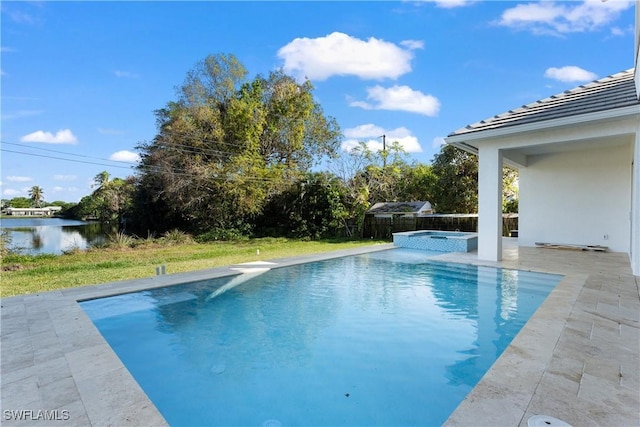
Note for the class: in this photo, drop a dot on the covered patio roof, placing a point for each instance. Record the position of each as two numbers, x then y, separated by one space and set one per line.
609 101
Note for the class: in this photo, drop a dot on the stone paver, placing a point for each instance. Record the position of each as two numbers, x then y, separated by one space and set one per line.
586 348
577 359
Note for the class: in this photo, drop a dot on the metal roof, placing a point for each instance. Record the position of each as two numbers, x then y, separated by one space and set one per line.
398 207
614 91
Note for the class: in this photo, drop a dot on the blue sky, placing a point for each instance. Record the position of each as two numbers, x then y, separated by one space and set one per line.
80 80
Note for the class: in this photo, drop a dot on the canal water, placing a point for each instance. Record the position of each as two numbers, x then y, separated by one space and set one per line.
52 235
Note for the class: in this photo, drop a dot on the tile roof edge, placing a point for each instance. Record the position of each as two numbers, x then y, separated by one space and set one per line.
473 127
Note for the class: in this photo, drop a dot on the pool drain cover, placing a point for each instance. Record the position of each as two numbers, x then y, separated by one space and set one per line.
546 421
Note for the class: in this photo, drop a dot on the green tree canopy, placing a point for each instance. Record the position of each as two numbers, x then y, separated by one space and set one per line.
19 202
226 145
456 183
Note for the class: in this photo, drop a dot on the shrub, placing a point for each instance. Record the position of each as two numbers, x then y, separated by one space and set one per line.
222 234
121 240
177 237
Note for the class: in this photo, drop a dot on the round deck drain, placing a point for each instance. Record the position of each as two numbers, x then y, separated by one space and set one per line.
546 421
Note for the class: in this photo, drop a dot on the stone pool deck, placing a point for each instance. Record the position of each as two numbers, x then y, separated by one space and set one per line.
577 359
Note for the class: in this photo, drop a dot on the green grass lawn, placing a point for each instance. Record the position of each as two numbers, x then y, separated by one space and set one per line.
23 274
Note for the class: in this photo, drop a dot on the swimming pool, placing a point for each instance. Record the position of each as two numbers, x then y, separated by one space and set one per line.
386 338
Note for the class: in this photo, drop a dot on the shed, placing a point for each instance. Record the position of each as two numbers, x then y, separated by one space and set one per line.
403 209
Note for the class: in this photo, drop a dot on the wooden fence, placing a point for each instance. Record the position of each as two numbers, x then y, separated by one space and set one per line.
383 228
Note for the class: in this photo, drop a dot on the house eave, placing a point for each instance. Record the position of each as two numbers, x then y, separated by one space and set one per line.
463 140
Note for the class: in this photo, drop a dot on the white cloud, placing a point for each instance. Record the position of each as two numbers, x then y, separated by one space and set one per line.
570 73
65 177
11 192
57 189
364 131
371 135
450 4
339 54
413 44
21 17
125 156
14 178
126 74
549 17
63 136
399 98
21 114
438 142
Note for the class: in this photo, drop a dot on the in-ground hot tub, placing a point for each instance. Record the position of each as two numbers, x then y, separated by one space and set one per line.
434 240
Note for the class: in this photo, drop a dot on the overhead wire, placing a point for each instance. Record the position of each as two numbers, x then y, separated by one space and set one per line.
153 168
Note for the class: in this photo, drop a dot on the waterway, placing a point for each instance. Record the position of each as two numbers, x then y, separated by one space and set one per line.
52 235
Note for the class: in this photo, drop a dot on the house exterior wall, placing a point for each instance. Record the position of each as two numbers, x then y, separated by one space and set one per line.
578 198
635 207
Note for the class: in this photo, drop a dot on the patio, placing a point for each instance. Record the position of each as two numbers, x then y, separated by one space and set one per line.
577 359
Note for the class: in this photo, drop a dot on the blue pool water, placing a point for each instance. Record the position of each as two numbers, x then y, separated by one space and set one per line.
387 338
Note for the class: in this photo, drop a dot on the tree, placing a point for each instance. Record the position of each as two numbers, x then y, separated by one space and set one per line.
101 179
510 190
19 202
110 202
36 195
227 145
456 183
312 207
456 178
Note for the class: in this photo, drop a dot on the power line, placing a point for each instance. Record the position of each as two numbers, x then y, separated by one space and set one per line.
59 152
155 168
68 160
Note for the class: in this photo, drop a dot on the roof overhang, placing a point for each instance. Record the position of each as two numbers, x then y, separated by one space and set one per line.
563 134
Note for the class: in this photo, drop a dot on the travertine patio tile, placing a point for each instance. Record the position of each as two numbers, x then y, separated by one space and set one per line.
41 325
606 369
77 415
567 367
9 376
92 361
22 394
575 413
109 399
13 325
16 357
630 375
615 312
11 310
52 371
59 393
618 400
501 406
586 333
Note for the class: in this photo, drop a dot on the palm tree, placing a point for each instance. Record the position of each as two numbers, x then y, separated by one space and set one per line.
35 193
101 179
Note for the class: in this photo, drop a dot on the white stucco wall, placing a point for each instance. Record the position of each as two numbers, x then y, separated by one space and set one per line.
557 207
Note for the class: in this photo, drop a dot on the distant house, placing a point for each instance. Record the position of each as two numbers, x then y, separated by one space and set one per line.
400 209
47 211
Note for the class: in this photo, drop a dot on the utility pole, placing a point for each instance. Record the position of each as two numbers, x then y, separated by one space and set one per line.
384 151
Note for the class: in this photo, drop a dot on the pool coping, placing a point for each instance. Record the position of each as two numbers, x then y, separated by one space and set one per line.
54 359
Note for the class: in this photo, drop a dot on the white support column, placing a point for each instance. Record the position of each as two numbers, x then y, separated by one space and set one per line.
635 206
490 204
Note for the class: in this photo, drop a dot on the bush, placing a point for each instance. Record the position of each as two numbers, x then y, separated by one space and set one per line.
121 240
222 234
177 237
